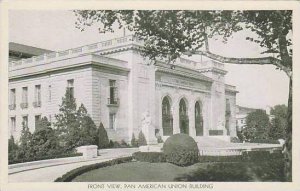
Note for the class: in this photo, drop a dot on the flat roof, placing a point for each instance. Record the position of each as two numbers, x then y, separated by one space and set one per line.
25 49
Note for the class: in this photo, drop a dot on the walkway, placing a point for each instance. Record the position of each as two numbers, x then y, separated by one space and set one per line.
48 173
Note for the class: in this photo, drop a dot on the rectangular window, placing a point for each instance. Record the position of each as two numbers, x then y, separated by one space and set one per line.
37 119
25 121
113 92
25 95
13 123
37 95
12 97
71 87
112 120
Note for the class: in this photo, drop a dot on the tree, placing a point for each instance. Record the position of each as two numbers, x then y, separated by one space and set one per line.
75 127
142 139
257 125
169 34
12 149
25 146
279 122
103 141
134 142
44 140
87 130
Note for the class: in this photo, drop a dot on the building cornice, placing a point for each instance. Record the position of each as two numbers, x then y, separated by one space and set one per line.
60 66
184 72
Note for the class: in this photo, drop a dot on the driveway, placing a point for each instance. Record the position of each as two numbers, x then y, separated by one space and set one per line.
46 173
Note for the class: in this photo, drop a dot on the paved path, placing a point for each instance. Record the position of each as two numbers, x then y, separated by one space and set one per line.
45 173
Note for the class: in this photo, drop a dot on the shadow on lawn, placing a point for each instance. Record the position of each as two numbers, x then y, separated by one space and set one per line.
268 171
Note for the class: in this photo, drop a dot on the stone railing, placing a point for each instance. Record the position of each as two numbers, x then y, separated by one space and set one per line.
76 51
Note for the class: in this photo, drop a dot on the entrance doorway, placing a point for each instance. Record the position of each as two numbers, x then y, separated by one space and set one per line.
183 117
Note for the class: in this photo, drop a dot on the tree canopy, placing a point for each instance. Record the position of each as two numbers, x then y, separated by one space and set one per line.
168 34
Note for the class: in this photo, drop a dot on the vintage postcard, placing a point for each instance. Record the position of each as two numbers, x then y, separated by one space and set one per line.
149 95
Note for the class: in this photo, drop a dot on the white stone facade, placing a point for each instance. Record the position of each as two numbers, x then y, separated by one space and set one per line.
118 86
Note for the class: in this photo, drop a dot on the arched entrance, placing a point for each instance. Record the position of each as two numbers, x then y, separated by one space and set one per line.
183 117
167 118
198 119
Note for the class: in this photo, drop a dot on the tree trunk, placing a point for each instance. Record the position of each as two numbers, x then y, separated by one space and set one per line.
288 143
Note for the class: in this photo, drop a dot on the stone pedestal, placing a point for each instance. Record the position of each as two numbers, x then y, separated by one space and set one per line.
89 151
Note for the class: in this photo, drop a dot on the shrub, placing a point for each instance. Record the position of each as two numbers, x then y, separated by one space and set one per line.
46 157
134 142
12 149
235 140
44 140
237 158
159 139
181 149
254 156
142 140
102 138
149 156
69 176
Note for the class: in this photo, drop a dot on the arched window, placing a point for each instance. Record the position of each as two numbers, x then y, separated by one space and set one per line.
183 117
167 118
198 119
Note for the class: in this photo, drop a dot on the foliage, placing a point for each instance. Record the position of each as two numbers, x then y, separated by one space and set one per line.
233 158
12 149
257 125
134 141
269 141
76 128
235 140
44 140
102 138
149 156
240 135
69 176
279 122
142 139
25 149
181 149
45 157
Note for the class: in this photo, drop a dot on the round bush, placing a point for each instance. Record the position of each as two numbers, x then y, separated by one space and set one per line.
181 149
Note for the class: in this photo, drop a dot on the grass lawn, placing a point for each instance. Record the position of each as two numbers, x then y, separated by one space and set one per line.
166 172
138 172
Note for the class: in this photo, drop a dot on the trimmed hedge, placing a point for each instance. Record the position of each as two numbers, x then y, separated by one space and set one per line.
15 161
181 150
153 157
69 176
253 156
269 141
234 158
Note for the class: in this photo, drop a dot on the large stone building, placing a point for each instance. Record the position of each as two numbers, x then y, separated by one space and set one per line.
124 91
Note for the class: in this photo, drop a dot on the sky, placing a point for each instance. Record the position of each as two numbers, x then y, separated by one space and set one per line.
259 86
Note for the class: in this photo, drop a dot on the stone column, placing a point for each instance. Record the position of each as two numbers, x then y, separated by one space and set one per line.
192 130
175 112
